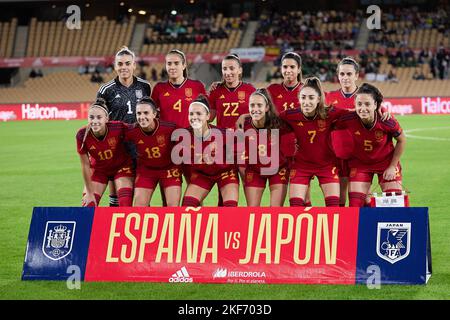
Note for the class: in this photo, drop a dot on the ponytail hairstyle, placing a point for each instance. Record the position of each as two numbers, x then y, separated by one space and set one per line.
272 121
101 104
235 57
314 82
349 61
203 100
148 101
295 56
125 51
183 59
367 88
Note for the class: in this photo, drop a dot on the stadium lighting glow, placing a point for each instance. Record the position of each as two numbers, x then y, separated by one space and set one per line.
143 12
173 12
191 1
88 5
130 10
122 4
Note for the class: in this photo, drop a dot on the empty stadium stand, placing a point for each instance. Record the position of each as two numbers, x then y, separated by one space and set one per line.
7 36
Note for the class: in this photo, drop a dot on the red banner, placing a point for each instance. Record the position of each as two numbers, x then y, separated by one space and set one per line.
223 245
78 110
422 105
44 111
107 60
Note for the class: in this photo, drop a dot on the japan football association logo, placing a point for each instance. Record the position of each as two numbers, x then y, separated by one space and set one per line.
58 239
393 241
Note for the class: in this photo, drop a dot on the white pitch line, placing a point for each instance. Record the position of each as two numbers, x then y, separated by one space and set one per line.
425 137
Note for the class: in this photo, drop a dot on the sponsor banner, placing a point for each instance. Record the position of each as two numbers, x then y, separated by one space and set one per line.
44 111
418 105
219 245
396 242
58 243
33 62
78 110
250 54
239 245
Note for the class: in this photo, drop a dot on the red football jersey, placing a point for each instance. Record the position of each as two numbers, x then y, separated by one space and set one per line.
153 149
372 147
210 158
264 149
230 104
173 101
285 98
107 153
313 137
337 99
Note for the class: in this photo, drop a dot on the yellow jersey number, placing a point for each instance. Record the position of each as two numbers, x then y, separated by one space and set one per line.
177 105
105 155
368 145
228 106
153 153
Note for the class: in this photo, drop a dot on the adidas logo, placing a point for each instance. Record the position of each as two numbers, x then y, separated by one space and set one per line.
222 97
181 276
117 96
92 148
358 133
280 96
140 142
166 94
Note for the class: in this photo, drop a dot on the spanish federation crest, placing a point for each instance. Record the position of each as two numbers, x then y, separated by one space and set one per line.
139 94
393 240
379 135
58 239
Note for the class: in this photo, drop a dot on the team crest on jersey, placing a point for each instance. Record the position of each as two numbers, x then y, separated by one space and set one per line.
160 139
321 124
379 135
188 92
112 142
139 94
393 241
58 239
241 95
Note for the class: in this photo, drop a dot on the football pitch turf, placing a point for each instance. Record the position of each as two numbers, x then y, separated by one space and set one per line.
40 167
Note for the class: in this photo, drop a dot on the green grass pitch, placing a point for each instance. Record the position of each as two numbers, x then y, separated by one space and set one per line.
40 167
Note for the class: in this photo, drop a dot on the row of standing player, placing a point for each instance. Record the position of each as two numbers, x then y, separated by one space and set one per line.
230 99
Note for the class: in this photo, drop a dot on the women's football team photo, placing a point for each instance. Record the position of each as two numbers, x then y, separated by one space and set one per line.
341 138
